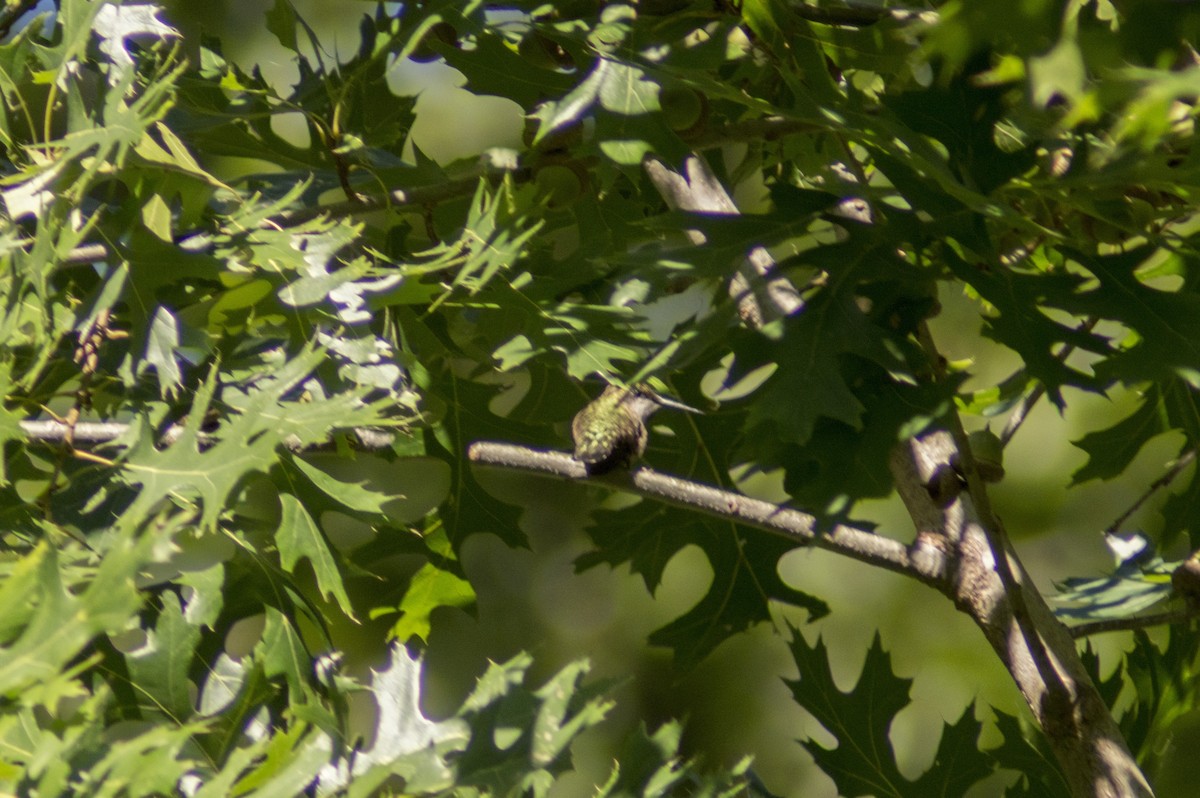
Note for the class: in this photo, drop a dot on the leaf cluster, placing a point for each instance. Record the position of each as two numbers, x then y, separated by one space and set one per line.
244 304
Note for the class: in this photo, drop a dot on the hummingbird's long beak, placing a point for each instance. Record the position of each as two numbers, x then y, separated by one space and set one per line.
674 405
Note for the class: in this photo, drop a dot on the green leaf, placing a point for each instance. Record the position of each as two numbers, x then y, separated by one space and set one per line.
187 470
148 764
863 762
650 764
1017 296
1136 585
161 345
183 468
1163 407
843 381
22 577
402 491
572 108
961 115
1110 451
281 22
61 622
630 130
312 289
794 49
959 763
293 758
519 736
405 742
1181 513
431 587
1024 750
558 723
160 667
493 240
1167 323
40 750
299 536
745 568
206 600
492 67
283 652
157 217
470 509
239 762
1163 679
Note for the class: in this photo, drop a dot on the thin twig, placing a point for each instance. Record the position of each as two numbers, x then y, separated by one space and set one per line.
1166 479
1018 416
87 357
1136 622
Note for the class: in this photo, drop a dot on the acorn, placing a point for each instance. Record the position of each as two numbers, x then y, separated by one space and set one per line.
684 109
560 184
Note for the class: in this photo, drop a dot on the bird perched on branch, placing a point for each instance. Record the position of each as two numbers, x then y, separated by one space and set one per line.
610 431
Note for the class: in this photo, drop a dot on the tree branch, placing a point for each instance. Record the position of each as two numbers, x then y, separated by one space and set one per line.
762 294
1034 646
954 557
797 526
986 581
1085 739
93 432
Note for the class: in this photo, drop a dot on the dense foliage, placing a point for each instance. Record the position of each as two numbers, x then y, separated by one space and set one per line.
242 363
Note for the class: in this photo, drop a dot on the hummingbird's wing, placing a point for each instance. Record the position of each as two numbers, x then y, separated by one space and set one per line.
594 445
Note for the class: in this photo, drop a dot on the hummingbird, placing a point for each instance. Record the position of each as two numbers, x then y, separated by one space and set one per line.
610 431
